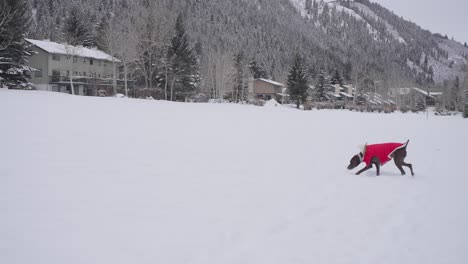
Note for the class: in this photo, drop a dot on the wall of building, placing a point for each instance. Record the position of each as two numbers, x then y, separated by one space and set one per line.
260 87
39 61
80 66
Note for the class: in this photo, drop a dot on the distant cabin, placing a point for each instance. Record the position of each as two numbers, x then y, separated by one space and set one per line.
265 89
414 95
91 69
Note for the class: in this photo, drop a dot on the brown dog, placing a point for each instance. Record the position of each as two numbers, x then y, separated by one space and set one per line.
379 154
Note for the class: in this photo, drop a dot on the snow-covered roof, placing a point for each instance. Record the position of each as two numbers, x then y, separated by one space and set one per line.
271 82
423 92
57 48
346 95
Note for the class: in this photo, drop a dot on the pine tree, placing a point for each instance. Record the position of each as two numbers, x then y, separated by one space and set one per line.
298 81
348 69
454 92
15 19
183 68
321 87
465 111
257 71
336 79
75 30
308 6
240 88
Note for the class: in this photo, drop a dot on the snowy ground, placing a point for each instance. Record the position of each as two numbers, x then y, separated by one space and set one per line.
113 180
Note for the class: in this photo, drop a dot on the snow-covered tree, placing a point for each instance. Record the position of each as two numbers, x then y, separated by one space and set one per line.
108 41
257 70
15 19
240 78
75 30
151 30
465 110
321 88
454 95
336 78
298 81
183 64
126 43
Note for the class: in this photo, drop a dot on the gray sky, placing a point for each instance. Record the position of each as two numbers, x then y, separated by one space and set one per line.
439 16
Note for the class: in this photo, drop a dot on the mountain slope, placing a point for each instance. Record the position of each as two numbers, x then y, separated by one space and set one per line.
357 37
444 56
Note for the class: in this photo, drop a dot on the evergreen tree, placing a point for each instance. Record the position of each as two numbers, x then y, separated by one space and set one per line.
454 95
240 88
15 19
465 112
257 71
298 81
348 69
336 79
75 30
308 6
183 70
321 88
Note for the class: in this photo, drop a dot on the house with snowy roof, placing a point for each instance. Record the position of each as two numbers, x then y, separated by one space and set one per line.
91 69
266 89
416 96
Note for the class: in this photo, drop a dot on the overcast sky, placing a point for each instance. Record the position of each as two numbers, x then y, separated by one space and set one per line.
439 16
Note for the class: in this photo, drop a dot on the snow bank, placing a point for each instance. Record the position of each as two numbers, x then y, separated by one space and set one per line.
102 180
272 103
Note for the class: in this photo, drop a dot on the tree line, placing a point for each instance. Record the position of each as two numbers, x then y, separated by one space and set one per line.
180 48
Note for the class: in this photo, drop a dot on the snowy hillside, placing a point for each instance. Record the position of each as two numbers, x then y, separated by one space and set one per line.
446 58
106 180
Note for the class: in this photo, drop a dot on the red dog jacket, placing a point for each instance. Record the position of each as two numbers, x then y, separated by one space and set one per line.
381 151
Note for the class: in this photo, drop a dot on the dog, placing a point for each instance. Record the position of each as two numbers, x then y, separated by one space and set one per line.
379 154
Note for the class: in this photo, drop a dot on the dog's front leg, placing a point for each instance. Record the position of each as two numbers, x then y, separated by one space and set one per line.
364 169
376 161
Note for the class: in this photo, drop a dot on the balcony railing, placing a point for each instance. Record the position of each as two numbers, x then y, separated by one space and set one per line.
86 80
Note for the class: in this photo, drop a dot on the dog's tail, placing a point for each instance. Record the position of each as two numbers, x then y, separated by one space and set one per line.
406 144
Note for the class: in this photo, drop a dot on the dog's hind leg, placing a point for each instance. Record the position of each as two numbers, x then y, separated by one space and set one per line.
399 164
410 166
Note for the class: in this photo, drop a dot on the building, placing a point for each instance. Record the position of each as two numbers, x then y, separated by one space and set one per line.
91 70
266 89
414 96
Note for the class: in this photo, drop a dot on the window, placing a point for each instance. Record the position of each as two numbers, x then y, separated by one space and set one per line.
38 73
55 57
55 75
84 74
105 64
91 61
99 63
75 59
84 60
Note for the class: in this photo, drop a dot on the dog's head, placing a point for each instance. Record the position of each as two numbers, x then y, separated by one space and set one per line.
355 161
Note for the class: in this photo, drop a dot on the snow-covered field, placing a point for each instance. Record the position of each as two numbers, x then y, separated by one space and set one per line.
112 180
